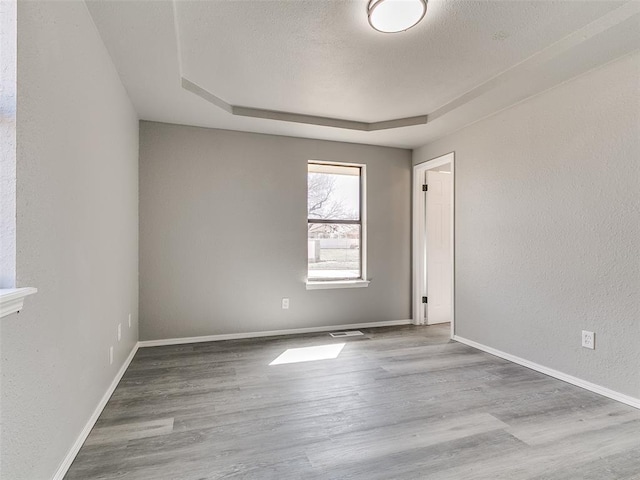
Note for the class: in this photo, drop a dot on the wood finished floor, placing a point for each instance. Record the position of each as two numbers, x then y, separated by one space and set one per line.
397 403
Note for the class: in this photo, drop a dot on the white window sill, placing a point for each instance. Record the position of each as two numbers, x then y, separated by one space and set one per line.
12 299
311 285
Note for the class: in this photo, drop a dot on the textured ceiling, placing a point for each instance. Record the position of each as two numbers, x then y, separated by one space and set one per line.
465 61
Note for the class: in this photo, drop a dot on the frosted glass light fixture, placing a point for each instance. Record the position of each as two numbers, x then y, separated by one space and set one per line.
391 16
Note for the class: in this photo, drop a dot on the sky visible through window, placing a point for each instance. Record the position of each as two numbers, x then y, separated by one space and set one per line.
347 191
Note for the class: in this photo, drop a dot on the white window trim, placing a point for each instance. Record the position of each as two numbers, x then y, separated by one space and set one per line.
329 284
358 282
12 299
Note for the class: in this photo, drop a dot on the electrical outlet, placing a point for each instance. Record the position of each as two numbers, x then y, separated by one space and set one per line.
111 355
588 339
285 303
129 320
119 331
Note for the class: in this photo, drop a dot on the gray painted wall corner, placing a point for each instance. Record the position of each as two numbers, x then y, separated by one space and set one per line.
548 227
77 232
223 233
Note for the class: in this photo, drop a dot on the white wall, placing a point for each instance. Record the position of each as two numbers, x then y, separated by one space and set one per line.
77 237
548 227
223 233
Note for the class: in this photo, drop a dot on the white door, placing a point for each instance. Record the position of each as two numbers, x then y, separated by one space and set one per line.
438 213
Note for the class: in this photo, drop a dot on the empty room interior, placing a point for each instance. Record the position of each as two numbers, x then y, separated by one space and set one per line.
320 239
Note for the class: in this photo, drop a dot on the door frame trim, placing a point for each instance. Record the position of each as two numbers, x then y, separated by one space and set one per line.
419 232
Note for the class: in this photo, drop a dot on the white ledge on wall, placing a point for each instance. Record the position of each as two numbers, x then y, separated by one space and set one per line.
311 285
12 299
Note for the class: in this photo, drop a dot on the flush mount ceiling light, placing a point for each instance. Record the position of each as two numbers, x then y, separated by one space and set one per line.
391 16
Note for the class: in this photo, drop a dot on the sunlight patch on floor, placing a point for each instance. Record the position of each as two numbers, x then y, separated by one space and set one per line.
309 354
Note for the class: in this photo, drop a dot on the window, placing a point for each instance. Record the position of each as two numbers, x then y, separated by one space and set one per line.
11 298
336 223
8 99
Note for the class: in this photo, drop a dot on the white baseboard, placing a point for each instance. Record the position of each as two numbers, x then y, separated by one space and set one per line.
71 455
269 333
620 397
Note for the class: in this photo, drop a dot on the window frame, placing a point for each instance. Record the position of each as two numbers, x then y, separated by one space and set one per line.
361 281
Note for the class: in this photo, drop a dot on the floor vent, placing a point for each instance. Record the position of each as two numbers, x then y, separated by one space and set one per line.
350 333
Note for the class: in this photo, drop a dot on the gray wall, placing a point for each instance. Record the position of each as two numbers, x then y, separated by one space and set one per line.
77 231
548 227
223 230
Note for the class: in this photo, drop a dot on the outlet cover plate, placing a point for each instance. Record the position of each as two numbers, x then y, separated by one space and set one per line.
588 339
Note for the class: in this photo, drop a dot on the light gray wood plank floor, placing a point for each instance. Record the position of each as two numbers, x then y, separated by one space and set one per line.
397 403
